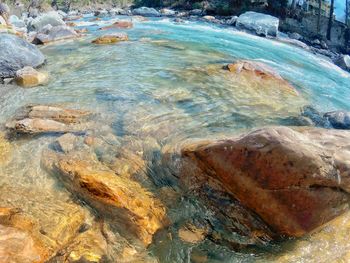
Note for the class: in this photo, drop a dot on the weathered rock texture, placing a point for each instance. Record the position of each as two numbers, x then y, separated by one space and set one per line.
294 180
29 77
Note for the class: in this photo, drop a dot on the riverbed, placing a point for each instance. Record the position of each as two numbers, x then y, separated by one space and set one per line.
165 86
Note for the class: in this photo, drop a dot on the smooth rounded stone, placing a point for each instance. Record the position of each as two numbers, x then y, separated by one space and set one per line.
338 119
67 142
261 24
101 13
111 39
117 11
119 24
209 18
28 77
292 179
55 33
145 11
16 53
343 61
53 18
35 126
6 150
167 12
134 210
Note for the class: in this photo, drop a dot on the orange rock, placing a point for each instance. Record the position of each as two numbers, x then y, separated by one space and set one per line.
111 39
71 24
292 180
119 24
257 70
134 210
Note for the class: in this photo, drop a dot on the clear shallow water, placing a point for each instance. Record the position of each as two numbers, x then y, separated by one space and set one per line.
166 84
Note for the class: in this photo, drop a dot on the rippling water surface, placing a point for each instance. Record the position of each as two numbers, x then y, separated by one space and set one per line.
167 84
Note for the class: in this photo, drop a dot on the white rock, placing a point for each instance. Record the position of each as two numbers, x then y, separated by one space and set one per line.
232 21
259 23
145 11
167 12
52 18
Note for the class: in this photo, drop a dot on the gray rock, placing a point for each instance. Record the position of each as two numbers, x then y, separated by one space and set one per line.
16 53
232 21
339 119
15 21
56 33
167 12
145 11
196 12
343 62
259 23
295 36
53 18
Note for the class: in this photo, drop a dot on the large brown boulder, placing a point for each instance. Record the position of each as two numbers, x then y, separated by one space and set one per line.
294 180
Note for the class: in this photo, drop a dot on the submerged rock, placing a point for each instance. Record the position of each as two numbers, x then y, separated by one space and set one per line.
119 24
111 39
29 77
132 208
261 24
294 180
37 119
5 150
16 54
145 11
257 70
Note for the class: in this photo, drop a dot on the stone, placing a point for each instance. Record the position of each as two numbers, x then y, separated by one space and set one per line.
37 119
51 18
67 142
16 53
338 119
117 11
196 12
209 18
253 69
35 126
55 33
5 150
145 11
56 113
295 180
232 21
28 77
192 234
111 39
167 12
134 210
261 24
119 24
343 62
295 36
15 21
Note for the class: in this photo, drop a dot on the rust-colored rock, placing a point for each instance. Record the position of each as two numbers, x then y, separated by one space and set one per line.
111 39
294 180
119 24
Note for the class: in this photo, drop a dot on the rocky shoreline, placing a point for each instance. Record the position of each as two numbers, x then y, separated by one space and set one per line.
263 186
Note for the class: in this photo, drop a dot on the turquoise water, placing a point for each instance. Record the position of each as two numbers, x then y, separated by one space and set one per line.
167 84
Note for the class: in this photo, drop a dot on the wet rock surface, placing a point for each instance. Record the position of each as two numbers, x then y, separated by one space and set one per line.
29 77
36 119
111 39
292 179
